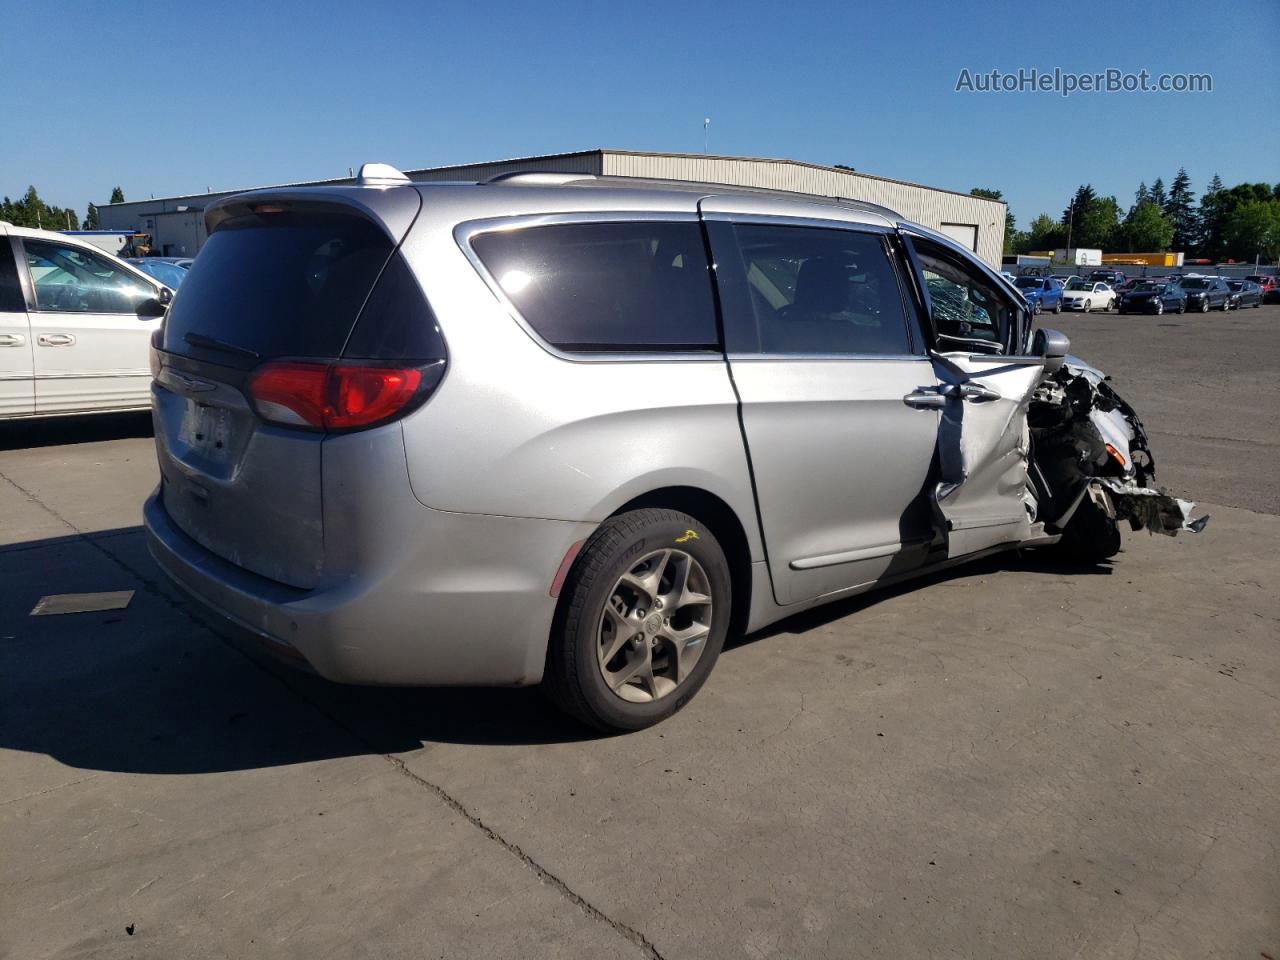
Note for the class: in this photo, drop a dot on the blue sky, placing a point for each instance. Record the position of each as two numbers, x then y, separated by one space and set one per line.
176 98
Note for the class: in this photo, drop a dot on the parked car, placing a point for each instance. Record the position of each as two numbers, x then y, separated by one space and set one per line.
520 431
1065 278
1270 286
1087 295
1245 293
1043 293
1152 296
1206 293
1112 278
75 325
167 271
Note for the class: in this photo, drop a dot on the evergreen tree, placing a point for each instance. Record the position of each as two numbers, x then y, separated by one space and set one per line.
1140 196
1158 196
117 195
91 221
1214 207
1181 212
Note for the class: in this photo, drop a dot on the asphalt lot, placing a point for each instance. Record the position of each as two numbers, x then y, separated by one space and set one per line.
1016 759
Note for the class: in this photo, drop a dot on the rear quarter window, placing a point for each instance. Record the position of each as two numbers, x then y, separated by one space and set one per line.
607 287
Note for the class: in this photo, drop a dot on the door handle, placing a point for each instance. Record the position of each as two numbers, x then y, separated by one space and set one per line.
12 339
55 339
977 393
925 399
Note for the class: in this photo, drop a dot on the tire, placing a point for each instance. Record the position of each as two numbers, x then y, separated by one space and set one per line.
638 540
1088 306
1182 306
1159 307
1037 310
1204 305
1090 537
1226 305
1057 307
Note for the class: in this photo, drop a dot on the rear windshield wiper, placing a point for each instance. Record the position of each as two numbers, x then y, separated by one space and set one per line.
213 343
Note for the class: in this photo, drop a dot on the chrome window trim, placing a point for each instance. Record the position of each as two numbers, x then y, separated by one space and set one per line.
779 220
816 357
468 230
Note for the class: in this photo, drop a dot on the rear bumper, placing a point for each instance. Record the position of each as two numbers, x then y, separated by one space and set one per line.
472 607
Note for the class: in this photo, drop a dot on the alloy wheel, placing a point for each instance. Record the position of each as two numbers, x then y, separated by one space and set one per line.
654 626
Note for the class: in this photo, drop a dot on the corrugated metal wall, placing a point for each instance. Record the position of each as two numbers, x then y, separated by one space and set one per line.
931 207
921 204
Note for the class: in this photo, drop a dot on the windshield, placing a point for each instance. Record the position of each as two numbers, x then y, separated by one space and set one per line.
1079 285
1235 284
1147 287
1030 283
1194 284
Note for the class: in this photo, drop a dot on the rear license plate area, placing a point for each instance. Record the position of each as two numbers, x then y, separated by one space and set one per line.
206 430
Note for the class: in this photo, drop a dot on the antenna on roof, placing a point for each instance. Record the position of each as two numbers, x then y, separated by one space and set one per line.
380 174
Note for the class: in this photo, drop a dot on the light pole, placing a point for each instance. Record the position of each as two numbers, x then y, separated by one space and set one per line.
706 135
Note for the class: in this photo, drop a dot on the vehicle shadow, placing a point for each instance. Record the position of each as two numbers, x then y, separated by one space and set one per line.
57 431
163 687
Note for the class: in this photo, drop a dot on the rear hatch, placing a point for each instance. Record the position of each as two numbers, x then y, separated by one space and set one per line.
282 280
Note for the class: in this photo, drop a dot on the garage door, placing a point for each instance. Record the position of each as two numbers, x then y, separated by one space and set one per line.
962 233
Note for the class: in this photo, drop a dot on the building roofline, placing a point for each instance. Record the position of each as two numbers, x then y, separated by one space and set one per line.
573 154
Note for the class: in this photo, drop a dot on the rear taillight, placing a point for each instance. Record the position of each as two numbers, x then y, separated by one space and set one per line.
154 354
338 396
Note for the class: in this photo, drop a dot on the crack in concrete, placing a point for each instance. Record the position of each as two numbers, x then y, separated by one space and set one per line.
153 588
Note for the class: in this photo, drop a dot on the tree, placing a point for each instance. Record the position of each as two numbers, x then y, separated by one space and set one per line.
91 221
1181 212
1252 229
1158 196
31 211
1045 233
1010 225
117 195
1092 219
1214 208
1141 195
1146 229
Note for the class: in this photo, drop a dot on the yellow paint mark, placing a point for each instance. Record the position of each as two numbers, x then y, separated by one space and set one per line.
688 535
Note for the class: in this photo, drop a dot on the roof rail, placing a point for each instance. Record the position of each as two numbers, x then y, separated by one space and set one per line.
380 174
537 178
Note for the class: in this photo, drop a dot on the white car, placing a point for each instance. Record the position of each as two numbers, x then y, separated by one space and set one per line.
1087 295
75 327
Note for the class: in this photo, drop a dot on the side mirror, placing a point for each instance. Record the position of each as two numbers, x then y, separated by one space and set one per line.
1053 346
157 305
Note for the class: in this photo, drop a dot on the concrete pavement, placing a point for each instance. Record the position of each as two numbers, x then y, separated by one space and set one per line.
1013 759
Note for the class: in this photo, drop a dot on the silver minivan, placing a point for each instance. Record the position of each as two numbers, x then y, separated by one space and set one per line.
576 430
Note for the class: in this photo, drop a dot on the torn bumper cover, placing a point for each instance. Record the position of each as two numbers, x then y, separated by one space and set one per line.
1150 509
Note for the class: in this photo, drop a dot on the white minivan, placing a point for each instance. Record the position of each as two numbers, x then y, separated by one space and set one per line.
75 327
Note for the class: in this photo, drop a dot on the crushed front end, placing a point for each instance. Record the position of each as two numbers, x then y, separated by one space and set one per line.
1092 465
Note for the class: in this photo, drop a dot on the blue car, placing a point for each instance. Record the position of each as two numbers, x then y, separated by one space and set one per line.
166 270
1043 293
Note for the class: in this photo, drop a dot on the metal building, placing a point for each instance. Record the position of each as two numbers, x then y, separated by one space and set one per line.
176 224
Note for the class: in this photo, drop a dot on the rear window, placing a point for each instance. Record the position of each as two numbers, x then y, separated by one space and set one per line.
274 284
607 286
